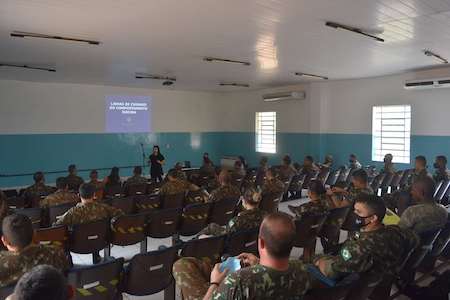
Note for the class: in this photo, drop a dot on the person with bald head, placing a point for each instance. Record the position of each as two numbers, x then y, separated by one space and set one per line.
272 276
226 190
426 215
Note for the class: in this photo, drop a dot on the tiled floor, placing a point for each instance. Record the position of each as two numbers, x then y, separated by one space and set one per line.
153 244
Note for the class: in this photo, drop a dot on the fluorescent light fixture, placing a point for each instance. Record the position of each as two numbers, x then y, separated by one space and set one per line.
224 60
22 34
234 84
436 56
155 77
311 75
354 30
24 66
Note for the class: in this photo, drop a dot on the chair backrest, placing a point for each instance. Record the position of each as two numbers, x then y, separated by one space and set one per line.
194 218
349 222
426 244
97 282
442 192
150 273
395 182
55 236
438 188
136 189
242 241
223 211
89 237
125 204
9 193
55 212
387 180
16 202
270 202
334 221
173 201
113 190
153 188
344 174
196 197
364 287
128 229
211 247
442 240
147 203
333 177
308 228
405 176
323 175
377 181
163 223
35 215
297 182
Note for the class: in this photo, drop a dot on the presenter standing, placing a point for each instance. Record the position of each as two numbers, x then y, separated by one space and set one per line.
156 161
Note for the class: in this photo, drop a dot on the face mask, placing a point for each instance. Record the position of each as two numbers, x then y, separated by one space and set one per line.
351 161
360 222
436 166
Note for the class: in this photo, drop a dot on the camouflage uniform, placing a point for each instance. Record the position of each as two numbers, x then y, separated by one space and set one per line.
286 172
14 264
180 175
441 175
245 220
416 176
317 207
88 212
424 217
388 168
354 192
224 192
74 182
257 282
200 196
260 282
175 187
134 180
380 250
207 171
38 189
59 197
272 187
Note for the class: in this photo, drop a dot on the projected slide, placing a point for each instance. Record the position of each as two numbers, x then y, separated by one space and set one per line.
128 114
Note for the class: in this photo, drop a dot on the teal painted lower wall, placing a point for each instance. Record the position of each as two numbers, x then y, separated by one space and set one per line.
50 152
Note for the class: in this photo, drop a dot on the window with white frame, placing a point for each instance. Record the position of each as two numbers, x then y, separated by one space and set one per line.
266 132
391 132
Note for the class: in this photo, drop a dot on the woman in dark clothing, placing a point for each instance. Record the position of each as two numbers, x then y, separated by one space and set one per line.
156 163
113 179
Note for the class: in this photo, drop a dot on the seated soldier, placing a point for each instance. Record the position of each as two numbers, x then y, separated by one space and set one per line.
42 282
273 276
207 169
286 171
272 185
88 210
402 199
226 190
353 162
309 168
179 171
250 218
388 167
174 185
318 203
440 165
38 189
375 247
136 179
73 180
261 171
97 183
61 196
426 215
360 185
22 254
328 162
238 173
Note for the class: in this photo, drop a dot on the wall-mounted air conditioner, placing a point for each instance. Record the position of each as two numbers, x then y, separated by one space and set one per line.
436 83
283 96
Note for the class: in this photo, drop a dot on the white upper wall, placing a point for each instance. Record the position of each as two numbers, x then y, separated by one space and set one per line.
29 107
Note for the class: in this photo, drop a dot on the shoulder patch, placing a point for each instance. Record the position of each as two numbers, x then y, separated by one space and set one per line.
346 255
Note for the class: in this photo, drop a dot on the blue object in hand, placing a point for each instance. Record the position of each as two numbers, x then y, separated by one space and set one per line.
231 263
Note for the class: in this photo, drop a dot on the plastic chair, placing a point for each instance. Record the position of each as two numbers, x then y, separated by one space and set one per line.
223 211
151 273
173 201
128 229
242 241
35 214
97 282
125 204
211 247
331 228
307 231
90 238
147 203
136 189
57 211
333 178
194 218
270 202
55 236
